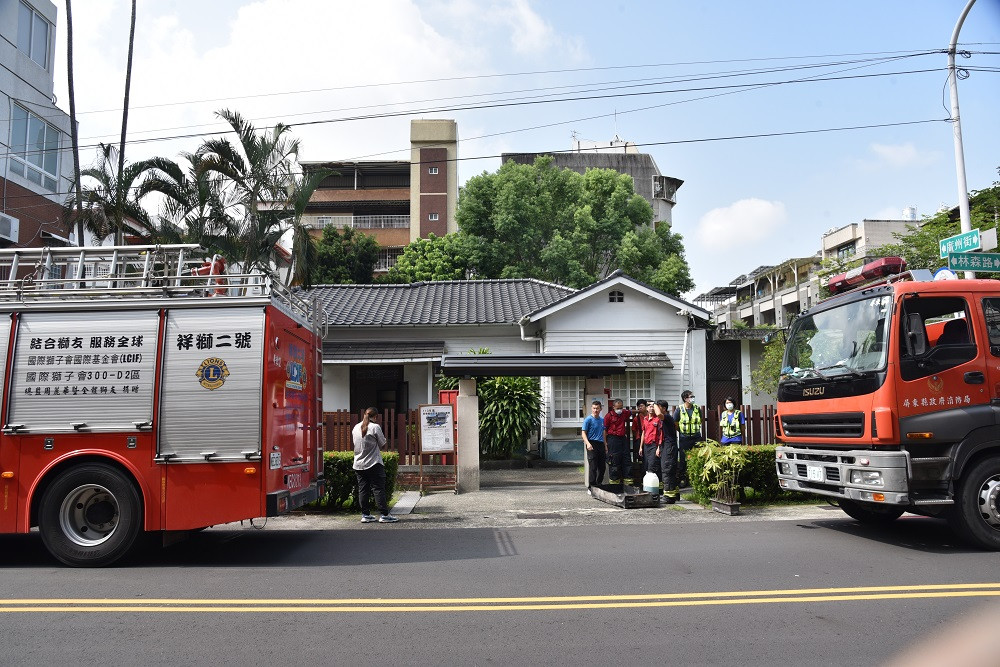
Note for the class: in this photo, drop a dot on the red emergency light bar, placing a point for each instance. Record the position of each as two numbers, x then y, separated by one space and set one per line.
877 269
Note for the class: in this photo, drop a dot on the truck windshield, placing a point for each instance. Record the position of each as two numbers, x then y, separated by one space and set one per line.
843 341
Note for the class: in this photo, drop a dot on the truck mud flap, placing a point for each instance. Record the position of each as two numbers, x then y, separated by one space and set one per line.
625 496
281 502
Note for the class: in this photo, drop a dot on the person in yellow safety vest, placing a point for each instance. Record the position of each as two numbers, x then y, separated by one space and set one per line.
687 416
731 424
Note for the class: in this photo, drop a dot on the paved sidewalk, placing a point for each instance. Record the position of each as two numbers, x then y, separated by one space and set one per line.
541 496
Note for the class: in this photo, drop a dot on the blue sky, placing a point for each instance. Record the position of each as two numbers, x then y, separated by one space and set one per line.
744 202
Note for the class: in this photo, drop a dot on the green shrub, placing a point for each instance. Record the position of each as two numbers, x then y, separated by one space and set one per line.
342 481
757 481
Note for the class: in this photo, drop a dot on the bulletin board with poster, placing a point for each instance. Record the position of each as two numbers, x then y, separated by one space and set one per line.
437 436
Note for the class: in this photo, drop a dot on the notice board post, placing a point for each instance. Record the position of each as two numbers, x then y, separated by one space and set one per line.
437 436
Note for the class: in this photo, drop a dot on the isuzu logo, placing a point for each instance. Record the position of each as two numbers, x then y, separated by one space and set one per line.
813 391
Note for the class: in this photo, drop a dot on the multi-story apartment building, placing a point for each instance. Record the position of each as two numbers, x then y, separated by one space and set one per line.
622 156
37 165
853 241
394 201
771 296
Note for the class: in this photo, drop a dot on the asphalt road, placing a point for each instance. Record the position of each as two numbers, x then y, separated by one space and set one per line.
824 591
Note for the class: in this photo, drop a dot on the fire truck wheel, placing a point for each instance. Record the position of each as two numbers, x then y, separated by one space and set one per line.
90 515
869 513
977 504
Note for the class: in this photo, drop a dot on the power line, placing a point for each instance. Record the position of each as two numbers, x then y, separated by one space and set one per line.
735 137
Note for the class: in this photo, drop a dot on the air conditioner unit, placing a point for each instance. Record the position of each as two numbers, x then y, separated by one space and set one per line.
9 227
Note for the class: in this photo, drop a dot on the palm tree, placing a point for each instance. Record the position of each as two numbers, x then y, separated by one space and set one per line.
108 201
196 203
269 195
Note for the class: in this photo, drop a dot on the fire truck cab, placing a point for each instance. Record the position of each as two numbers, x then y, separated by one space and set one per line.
143 393
889 402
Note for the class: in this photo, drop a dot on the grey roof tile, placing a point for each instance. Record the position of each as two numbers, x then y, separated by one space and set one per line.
435 303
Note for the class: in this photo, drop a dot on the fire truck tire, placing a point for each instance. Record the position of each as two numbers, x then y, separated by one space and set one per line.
869 513
90 515
977 504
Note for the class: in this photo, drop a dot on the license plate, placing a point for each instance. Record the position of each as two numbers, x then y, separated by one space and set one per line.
814 473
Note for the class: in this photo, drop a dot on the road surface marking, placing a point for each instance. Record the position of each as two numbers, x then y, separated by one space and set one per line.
719 598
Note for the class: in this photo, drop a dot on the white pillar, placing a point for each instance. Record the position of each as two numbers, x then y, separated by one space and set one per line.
467 416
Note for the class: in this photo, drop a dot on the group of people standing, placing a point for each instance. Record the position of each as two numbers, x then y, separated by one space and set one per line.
660 439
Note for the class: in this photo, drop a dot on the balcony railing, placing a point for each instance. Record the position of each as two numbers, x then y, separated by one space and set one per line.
358 221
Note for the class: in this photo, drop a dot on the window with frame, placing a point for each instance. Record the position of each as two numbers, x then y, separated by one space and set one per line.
33 34
630 386
846 251
387 258
34 147
432 170
432 216
567 398
616 296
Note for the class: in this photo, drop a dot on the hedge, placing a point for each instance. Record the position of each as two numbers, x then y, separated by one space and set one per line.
342 482
758 481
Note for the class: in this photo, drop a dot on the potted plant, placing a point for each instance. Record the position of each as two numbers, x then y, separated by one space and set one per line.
721 471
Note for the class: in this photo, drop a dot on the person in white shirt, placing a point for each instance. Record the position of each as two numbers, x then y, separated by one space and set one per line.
368 441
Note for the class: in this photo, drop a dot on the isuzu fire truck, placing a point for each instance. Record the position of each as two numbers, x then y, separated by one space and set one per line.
145 391
889 401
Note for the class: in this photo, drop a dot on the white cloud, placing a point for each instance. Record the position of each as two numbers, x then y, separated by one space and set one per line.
748 220
295 61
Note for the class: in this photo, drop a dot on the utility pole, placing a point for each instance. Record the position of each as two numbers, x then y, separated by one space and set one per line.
963 188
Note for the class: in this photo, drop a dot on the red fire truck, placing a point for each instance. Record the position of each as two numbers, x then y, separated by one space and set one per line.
889 401
144 390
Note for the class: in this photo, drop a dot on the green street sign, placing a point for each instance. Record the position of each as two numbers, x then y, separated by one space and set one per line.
974 261
963 242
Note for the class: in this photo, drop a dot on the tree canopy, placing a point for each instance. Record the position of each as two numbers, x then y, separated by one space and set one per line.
344 256
540 221
919 246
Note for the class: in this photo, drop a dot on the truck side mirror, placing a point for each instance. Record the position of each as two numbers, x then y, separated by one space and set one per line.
916 335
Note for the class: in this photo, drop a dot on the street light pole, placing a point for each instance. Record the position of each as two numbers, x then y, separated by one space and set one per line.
963 189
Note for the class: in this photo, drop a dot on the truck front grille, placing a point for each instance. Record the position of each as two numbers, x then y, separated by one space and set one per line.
840 425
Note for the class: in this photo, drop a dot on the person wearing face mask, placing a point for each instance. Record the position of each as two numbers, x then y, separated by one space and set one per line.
731 424
687 416
615 431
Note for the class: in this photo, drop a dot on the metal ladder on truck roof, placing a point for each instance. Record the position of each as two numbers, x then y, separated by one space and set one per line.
135 272
29 274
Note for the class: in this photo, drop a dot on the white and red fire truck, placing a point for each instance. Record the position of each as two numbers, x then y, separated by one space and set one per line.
146 391
889 402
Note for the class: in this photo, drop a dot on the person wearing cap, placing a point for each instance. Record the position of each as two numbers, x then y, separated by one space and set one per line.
616 437
687 416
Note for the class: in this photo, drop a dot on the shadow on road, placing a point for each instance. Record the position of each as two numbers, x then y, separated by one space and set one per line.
290 548
909 532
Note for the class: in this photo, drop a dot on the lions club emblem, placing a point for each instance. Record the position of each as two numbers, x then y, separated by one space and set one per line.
212 373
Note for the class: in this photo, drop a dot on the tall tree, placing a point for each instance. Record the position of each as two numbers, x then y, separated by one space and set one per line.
195 206
268 194
539 221
434 258
109 199
74 134
919 245
345 256
125 103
